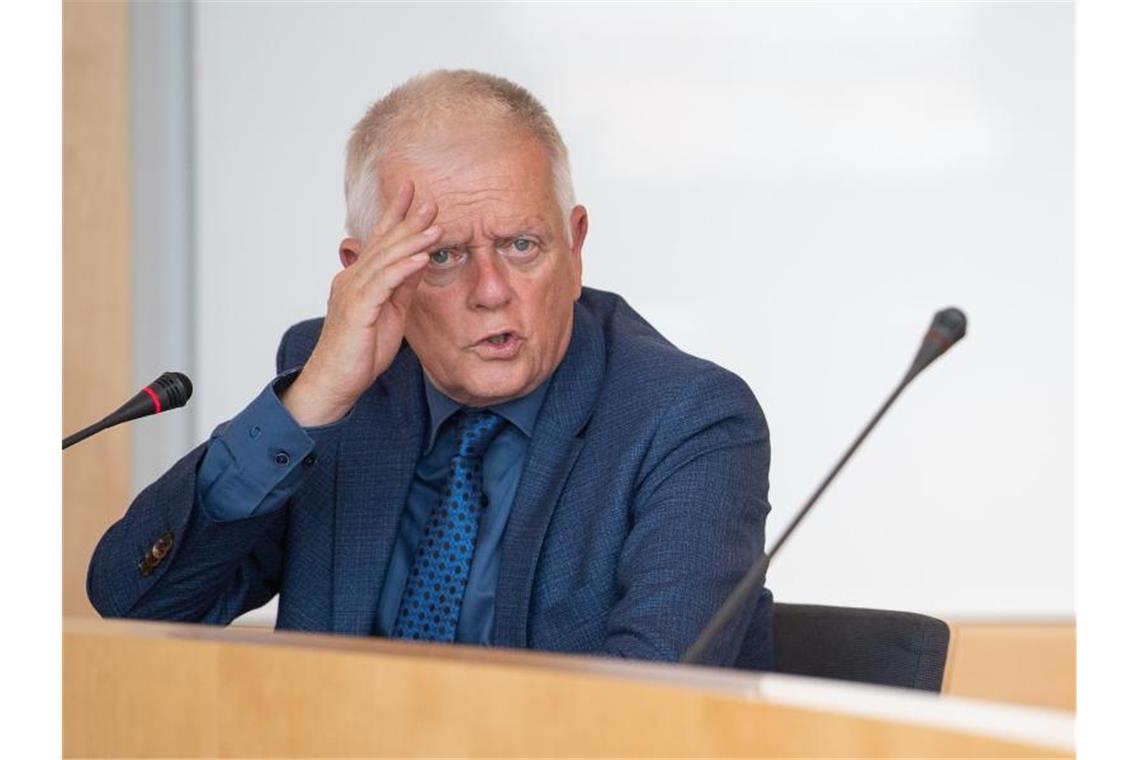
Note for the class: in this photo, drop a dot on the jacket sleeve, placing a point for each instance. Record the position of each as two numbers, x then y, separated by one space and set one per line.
697 525
205 543
210 571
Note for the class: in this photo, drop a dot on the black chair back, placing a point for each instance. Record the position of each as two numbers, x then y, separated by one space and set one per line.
869 646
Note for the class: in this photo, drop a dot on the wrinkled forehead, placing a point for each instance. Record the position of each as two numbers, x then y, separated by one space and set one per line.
476 176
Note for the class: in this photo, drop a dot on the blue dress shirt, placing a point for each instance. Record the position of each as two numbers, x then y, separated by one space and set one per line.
236 480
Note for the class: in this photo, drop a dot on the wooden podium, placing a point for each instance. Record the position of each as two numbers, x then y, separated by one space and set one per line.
136 689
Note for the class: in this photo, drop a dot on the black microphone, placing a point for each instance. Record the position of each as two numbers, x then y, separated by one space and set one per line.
169 391
948 327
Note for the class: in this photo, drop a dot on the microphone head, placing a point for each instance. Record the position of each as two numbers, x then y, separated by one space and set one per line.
948 327
173 388
950 323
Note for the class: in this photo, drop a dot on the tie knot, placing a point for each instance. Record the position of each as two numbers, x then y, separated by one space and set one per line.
475 428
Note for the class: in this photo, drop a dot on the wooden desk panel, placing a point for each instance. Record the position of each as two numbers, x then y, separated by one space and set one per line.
157 689
1023 663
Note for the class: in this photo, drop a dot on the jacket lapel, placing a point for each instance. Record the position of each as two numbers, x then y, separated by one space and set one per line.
553 449
376 460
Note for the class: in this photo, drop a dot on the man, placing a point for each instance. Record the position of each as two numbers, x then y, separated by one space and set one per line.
470 446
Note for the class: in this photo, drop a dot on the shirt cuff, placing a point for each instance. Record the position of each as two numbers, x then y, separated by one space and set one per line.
257 460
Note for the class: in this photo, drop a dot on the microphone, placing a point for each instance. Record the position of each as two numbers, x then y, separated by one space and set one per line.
948 327
169 391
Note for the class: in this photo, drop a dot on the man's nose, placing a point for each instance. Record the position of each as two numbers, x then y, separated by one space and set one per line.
491 289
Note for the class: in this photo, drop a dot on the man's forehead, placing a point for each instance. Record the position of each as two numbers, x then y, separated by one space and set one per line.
479 194
496 203
452 169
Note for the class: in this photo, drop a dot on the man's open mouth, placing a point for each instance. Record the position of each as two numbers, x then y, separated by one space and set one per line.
501 345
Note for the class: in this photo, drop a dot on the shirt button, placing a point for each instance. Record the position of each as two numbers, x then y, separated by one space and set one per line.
254 432
310 460
281 458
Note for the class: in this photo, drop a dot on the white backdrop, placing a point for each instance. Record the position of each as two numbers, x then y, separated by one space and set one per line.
790 190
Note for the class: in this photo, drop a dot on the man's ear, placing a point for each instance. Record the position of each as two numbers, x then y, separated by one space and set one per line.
579 226
350 249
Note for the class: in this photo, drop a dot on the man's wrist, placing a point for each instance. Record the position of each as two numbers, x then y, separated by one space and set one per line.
309 407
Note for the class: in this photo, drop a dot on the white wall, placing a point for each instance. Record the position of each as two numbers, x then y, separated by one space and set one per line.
789 190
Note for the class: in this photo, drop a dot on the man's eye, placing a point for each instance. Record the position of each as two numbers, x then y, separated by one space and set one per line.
522 245
441 258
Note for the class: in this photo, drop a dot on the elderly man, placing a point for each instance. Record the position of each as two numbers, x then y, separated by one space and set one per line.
470 446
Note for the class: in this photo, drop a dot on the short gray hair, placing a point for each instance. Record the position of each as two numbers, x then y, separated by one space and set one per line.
412 104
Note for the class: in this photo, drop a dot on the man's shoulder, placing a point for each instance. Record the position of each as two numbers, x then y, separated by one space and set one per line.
639 358
652 390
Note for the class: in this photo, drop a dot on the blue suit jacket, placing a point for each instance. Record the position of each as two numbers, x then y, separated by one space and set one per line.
641 504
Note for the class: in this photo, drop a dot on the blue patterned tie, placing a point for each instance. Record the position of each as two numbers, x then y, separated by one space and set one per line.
429 608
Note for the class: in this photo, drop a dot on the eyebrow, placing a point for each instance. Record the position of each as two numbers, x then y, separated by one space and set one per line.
528 226
531 225
451 241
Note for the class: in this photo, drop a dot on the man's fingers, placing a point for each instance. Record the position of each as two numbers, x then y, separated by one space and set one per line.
402 296
421 240
382 249
395 213
416 221
380 286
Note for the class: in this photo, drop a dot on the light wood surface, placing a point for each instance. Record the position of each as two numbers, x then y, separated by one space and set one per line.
155 689
96 279
1023 663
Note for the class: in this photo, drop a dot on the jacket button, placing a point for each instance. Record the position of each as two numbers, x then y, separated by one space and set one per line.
157 553
281 458
162 546
310 460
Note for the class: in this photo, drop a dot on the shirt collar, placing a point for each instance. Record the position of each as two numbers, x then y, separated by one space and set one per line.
520 412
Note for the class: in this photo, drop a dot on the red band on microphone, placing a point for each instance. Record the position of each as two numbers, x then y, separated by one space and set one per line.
939 338
154 398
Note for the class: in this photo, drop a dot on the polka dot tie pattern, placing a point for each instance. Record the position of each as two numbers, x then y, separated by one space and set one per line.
429 607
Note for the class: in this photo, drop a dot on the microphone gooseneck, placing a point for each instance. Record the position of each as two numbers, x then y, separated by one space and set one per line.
948 327
170 391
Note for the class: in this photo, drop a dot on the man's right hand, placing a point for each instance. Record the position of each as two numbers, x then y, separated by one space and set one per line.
367 310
